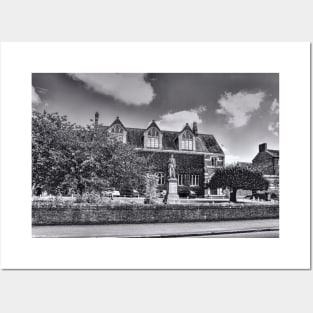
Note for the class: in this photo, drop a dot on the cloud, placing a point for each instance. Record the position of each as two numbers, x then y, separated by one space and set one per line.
35 97
132 89
177 120
274 128
275 107
239 107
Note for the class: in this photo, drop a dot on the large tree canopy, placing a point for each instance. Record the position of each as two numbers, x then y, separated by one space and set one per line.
236 177
67 156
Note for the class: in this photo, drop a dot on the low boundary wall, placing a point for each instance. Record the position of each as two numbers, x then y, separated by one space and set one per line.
78 214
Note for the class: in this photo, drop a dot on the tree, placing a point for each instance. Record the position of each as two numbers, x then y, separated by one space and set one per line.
66 156
236 177
51 135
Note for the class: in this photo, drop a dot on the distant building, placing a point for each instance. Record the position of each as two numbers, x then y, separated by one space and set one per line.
244 164
267 161
197 155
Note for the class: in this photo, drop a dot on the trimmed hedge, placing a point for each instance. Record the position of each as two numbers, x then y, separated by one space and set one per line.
80 214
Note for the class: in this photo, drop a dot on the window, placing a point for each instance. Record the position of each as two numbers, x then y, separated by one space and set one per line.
161 180
183 179
153 138
194 180
117 132
187 140
213 161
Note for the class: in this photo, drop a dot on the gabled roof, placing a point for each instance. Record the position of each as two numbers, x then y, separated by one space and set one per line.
210 143
117 121
273 153
204 142
154 124
186 127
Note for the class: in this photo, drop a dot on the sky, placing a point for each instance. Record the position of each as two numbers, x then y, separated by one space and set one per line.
240 109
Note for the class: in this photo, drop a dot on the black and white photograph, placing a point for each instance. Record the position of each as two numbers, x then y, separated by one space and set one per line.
155 155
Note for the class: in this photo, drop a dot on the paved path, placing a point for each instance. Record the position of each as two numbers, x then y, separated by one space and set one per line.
223 228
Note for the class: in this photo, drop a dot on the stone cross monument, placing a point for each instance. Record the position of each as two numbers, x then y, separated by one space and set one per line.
172 196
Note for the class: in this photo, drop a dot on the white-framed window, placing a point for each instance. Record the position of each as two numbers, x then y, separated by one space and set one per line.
194 180
153 138
161 180
117 132
213 161
181 179
187 140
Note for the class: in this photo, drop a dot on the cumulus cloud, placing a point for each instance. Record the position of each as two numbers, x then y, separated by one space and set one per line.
274 128
132 89
275 107
177 120
238 107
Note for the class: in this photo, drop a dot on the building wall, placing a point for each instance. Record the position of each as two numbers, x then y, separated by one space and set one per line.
186 163
266 164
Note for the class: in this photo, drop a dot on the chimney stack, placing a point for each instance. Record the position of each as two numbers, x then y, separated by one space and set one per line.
262 147
195 128
96 119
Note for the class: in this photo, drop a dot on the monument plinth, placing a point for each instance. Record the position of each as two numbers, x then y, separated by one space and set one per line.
172 196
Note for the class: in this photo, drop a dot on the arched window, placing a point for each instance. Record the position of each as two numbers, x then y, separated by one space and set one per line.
153 138
187 140
117 132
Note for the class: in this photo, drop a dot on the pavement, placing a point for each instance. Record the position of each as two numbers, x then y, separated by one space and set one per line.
232 229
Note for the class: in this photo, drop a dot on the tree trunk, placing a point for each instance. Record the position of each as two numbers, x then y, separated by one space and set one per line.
233 195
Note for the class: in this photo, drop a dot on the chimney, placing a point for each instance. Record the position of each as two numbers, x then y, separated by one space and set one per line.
195 128
262 147
96 119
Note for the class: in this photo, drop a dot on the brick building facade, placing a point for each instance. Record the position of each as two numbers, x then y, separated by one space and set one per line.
267 161
197 155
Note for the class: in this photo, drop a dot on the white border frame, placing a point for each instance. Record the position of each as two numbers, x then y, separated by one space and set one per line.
20 251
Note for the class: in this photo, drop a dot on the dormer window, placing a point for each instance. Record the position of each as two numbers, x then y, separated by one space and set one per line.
187 140
153 138
117 132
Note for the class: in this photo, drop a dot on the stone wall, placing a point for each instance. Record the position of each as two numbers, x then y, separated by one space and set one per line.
78 214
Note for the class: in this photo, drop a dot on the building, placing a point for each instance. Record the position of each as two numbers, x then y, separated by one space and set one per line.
267 161
197 155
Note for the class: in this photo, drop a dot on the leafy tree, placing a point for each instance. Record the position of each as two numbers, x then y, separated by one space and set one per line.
236 177
66 156
50 136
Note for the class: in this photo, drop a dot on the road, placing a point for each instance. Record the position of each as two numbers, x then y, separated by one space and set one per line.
245 229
